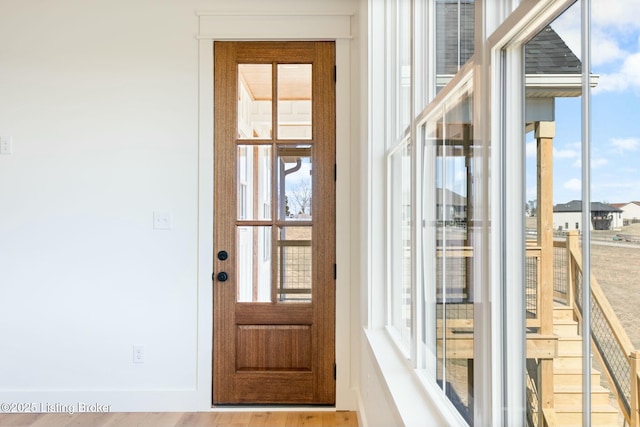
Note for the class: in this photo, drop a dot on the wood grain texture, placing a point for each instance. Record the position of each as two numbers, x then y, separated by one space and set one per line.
184 419
238 349
286 347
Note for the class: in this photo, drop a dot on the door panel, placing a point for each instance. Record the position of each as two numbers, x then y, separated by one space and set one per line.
274 199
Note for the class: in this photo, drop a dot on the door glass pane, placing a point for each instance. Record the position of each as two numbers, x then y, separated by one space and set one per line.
294 101
254 264
294 182
254 182
294 273
255 96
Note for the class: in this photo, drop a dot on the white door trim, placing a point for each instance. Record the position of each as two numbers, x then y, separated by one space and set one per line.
276 26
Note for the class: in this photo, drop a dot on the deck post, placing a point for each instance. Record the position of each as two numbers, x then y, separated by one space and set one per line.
544 134
573 242
634 360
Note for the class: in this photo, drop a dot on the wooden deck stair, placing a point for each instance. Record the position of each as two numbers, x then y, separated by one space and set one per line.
567 378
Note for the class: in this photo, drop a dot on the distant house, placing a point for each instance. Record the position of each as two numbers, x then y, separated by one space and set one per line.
451 206
630 211
568 216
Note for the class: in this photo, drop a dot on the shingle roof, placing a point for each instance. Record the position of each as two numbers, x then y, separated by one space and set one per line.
449 55
450 198
620 205
576 206
546 53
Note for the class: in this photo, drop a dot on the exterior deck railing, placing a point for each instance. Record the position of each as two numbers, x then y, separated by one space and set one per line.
611 345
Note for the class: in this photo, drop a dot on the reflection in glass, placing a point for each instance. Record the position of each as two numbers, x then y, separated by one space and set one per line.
255 97
254 182
294 272
448 154
294 182
294 101
404 65
400 241
454 37
254 264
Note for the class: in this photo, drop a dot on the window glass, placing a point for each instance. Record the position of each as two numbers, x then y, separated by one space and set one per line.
447 340
294 183
254 182
294 101
404 65
454 254
400 253
294 273
455 28
553 202
254 264
255 96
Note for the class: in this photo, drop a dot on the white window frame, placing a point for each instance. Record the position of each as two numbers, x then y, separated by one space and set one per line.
405 347
501 30
505 48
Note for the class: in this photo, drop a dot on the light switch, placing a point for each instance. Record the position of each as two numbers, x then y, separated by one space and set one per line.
6 145
161 221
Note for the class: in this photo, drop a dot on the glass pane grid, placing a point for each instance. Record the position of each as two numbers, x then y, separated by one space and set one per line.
295 265
294 101
255 104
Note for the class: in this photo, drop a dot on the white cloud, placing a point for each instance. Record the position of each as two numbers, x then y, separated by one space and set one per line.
615 13
573 184
531 149
605 48
612 28
625 78
595 163
625 144
565 154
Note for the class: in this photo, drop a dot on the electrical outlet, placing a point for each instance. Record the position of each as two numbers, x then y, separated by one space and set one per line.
138 354
6 145
161 221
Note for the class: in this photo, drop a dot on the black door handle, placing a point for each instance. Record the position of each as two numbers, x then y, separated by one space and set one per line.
223 255
222 276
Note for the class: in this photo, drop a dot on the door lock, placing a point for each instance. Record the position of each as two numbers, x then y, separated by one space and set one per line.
223 255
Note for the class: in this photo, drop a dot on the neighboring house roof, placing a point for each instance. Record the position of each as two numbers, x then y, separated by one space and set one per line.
552 69
547 53
450 55
448 197
576 206
619 205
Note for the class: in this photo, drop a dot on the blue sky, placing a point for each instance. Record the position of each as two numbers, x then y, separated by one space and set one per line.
615 109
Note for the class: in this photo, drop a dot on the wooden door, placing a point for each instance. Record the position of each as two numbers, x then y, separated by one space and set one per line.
274 224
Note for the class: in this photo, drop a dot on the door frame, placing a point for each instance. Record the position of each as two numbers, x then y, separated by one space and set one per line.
268 27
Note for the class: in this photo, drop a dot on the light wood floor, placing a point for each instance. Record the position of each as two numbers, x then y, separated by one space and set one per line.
183 419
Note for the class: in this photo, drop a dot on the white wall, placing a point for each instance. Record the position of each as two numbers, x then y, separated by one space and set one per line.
630 211
102 100
562 218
